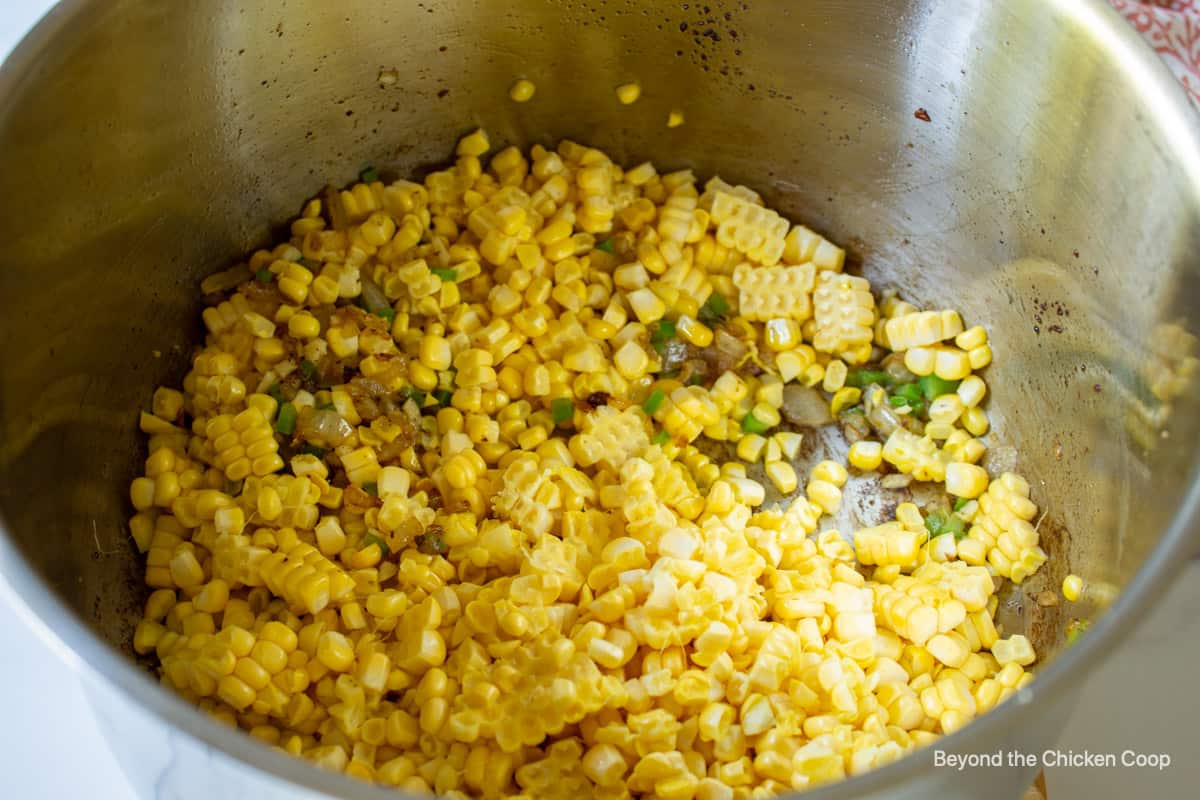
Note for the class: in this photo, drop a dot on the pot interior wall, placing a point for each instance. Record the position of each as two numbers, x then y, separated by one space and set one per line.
154 143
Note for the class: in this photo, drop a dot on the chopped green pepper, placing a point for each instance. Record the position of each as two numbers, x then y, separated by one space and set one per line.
661 332
909 392
1075 629
863 378
432 542
752 424
606 246
276 392
416 395
858 409
372 539
371 489
960 504
327 407
285 423
654 402
447 275
264 275
389 314
932 386
308 369
955 526
368 175
939 522
662 437
562 409
312 450
916 407
714 308
443 397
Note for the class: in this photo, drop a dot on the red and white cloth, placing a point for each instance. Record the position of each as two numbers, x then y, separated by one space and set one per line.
1172 28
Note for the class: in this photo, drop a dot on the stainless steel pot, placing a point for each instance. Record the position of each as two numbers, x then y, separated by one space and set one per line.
1050 189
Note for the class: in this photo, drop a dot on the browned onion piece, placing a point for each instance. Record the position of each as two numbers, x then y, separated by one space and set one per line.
894 365
855 427
725 353
896 480
882 417
373 297
323 427
804 406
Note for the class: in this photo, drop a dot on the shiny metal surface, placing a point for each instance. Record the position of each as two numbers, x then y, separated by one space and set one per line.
1052 195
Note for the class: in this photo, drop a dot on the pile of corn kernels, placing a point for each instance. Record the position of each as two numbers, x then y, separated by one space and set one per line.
438 505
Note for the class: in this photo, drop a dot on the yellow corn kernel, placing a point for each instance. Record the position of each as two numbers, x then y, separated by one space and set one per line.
781 334
473 144
971 391
628 93
1072 588
832 472
951 364
783 475
422 377
631 361
975 421
966 480
167 403
335 651
646 305
694 331
185 570
866 455
141 493
767 414
844 397
824 494
835 375
920 360
522 91
750 447
791 364
674 118
971 338
980 357
812 374
435 353
789 443
1016 649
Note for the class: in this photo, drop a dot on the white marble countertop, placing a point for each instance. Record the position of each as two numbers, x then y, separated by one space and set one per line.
52 748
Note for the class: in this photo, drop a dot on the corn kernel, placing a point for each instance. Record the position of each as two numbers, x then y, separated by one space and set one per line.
783 475
866 455
628 93
975 421
965 480
522 91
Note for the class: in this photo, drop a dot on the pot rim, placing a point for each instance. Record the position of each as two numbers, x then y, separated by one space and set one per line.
36 603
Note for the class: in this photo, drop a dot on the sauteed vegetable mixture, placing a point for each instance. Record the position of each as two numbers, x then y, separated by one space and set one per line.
484 486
